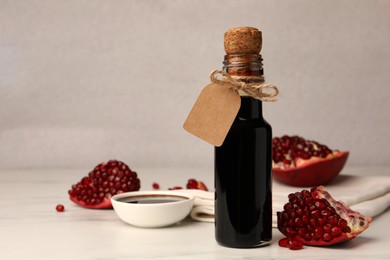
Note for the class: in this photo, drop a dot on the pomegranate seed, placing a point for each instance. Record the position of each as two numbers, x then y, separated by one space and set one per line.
295 244
155 186
60 208
319 204
327 228
319 232
313 222
333 220
342 224
335 231
291 232
302 232
321 222
283 242
85 181
287 207
305 219
325 212
292 198
176 188
299 222
327 237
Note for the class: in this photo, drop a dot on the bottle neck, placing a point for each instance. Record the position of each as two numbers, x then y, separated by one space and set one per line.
240 66
250 108
243 65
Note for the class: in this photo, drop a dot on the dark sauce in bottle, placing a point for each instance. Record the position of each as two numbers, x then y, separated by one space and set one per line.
243 180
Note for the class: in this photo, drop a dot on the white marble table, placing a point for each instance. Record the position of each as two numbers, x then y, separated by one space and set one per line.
30 227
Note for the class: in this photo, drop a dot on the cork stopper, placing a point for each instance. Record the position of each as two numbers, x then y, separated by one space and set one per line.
243 40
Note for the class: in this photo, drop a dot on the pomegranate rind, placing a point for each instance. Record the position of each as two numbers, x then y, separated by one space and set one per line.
105 204
313 172
202 186
197 185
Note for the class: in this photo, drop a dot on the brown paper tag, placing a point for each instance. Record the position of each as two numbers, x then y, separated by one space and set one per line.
213 113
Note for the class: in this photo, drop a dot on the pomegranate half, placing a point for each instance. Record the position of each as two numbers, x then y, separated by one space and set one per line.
105 180
304 163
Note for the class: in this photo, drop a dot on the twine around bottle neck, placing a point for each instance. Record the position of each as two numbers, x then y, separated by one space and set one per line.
253 86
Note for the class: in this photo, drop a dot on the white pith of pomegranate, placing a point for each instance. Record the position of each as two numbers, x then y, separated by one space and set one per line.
105 180
300 162
315 218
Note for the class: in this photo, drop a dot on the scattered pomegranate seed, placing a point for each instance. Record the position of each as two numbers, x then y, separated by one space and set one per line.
295 244
283 242
176 188
60 208
155 186
290 243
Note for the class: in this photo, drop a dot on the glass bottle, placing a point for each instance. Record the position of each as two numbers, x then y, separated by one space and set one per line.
243 163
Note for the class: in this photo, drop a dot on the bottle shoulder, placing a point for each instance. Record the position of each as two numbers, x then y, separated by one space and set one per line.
251 122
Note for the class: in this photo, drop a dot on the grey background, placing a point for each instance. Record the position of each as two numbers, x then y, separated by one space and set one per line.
85 81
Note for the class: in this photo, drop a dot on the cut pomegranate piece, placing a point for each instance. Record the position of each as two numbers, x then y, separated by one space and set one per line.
316 218
194 184
305 163
104 181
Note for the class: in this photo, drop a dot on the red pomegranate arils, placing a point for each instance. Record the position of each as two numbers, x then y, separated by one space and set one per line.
294 244
283 242
155 186
176 188
60 208
290 243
